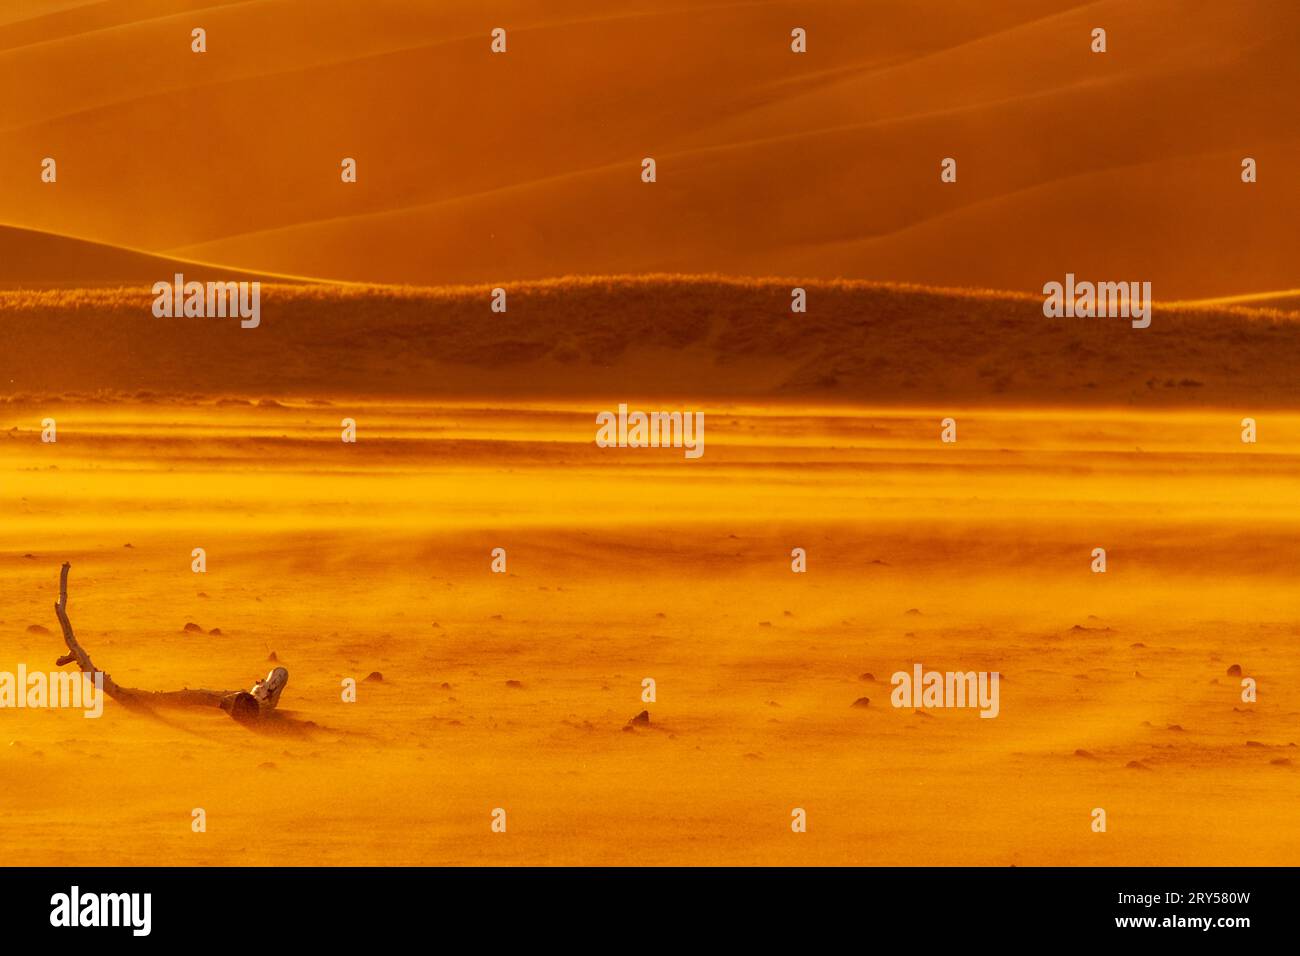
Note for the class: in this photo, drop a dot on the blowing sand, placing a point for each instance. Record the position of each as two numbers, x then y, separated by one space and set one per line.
515 690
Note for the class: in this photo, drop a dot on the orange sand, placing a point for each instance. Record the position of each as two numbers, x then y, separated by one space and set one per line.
346 559
822 429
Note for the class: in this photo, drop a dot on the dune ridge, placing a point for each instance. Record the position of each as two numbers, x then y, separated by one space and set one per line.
34 260
657 335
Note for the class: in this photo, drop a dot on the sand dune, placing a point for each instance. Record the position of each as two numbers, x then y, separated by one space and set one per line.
823 165
39 260
610 338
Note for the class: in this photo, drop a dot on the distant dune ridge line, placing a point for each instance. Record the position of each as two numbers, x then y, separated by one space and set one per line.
31 259
656 335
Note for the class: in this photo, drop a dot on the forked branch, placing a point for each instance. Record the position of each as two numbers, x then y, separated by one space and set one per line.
239 703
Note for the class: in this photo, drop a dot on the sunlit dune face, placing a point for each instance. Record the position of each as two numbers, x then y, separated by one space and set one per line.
481 167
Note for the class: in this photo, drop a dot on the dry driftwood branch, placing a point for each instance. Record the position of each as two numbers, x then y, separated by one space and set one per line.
239 703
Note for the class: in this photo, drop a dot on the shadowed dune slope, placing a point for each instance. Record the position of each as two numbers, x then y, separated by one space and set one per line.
616 338
40 260
477 167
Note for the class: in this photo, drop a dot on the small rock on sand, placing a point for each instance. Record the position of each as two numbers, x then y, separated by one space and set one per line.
37 629
272 656
515 684
861 702
192 628
374 677
1234 670
640 720
215 632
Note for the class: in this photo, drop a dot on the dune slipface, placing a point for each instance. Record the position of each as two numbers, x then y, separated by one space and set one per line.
447 476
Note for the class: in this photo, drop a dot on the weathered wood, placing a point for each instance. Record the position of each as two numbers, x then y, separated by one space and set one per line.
230 700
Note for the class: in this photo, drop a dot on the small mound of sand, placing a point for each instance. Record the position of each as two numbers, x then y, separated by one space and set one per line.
37 629
861 702
374 677
191 628
1234 670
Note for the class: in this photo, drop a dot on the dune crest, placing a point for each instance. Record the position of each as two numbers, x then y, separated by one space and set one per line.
698 336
